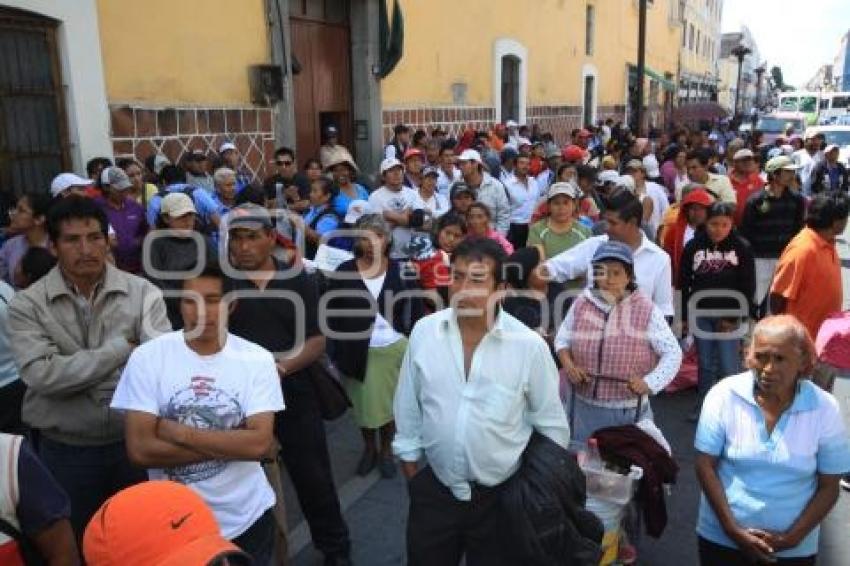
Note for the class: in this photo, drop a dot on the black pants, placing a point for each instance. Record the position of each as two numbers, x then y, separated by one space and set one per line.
11 399
304 449
442 529
258 540
518 235
711 554
89 475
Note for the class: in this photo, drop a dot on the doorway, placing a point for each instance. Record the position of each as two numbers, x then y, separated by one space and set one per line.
321 45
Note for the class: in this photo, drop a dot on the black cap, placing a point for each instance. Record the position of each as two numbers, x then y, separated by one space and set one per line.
461 187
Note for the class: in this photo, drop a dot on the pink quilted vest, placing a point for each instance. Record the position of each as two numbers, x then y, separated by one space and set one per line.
615 347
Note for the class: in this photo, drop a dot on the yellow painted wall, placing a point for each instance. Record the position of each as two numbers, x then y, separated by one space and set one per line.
448 41
181 52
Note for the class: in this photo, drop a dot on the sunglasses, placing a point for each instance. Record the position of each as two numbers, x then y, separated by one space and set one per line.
284 163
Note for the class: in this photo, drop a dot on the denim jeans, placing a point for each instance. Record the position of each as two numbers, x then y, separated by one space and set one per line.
89 474
717 358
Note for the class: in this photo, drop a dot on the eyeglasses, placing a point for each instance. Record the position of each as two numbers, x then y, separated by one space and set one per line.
281 163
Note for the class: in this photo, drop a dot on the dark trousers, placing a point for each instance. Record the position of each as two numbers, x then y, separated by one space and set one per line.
442 529
304 450
518 235
89 474
711 554
11 399
258 540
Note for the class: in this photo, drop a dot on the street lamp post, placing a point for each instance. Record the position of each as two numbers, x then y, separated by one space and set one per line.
759 73
740 51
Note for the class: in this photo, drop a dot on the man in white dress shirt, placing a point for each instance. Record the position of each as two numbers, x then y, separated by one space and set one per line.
623 219
470 413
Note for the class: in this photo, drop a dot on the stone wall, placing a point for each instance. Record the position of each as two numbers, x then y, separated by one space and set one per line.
139 132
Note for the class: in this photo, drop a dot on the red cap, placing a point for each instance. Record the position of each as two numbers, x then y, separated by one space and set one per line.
411 152
573 153
155 523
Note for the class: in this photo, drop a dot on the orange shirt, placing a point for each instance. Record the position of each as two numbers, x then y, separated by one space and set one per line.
808 275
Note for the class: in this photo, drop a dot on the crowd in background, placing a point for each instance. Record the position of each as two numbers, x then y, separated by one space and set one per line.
700 222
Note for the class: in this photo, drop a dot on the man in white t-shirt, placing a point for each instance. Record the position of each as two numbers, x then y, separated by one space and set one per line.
636 169
200 407
396 203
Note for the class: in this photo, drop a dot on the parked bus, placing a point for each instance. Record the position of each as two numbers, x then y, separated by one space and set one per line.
807 103
833 105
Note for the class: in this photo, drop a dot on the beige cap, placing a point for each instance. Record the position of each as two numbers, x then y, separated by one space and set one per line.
176 205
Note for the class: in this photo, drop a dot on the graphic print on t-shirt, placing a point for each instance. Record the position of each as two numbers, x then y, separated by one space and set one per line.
203 406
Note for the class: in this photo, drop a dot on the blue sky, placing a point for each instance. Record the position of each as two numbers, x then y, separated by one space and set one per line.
797 35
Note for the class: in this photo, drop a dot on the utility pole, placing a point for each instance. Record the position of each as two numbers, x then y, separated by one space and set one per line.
641 65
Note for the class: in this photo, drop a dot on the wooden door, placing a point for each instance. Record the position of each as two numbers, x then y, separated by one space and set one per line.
33 138
323 87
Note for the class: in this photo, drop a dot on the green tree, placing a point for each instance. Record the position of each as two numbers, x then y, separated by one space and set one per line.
778 81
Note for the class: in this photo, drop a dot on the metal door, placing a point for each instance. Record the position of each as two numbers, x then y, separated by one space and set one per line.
33 139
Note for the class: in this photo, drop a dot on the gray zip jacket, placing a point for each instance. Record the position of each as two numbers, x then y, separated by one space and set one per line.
70 352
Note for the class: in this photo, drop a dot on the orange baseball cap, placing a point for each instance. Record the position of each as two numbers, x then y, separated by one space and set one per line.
155 523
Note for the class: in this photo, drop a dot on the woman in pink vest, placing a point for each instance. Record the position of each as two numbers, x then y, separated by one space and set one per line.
615 346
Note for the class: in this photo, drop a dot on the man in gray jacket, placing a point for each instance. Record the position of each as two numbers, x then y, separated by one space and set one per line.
488 189
72 332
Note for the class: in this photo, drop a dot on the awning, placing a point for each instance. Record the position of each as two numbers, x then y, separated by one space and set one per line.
665 83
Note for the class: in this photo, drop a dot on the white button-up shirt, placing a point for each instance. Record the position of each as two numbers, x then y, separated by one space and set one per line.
523 198
652 269
444 181
475 428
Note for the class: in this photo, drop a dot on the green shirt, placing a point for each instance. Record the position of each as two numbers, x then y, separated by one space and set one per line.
556 242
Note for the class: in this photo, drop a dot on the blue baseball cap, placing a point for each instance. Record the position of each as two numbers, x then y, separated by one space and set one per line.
614 250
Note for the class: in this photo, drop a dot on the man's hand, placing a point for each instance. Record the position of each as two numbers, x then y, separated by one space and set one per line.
638 386
409 469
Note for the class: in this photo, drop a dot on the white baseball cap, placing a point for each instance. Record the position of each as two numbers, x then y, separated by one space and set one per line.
829 148
356 209
64 181
176 205
511 124
743 154
470 155
627 182
607 176
226 146
389 163
569 189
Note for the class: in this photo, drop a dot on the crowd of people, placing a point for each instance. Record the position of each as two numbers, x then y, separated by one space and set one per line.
173 321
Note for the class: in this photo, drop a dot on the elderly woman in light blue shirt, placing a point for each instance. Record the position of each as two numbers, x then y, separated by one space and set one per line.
771 449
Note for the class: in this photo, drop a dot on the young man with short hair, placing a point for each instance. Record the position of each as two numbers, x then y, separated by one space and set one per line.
771 218
279 311
73 332
807 281
287 186
470 413
524 194
396 202
623 217
698 161
488 189
830 175
200 405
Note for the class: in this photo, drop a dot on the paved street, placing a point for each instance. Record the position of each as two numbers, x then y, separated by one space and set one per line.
376 509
